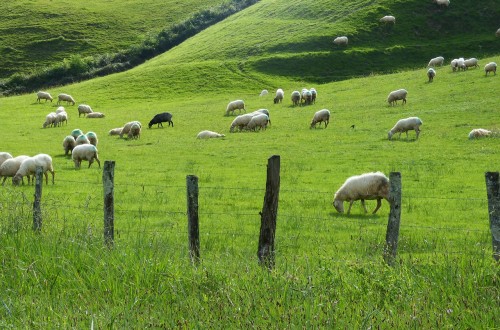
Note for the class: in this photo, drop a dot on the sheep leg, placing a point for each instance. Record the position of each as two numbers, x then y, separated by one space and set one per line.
46 178
364 205
4 178
350 205
418 132
379 203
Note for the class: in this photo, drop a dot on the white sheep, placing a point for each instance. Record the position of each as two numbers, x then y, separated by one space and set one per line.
405 125
479 133
86 152
321 116
341 41
208 135
76 133
314 95
260 121
65 97
82 139
367 186
445 3
454 64
280 94
436 61
96 115
85 109
10 167
388 19
235 105
60 109
43 96
4 156
295 97
135 131
264 92
29 165
490 67
431 73
68 144
471 62
264 111
240 122
92 137
127 126
61 117
306 96
115 131
396 95
461 64
50 120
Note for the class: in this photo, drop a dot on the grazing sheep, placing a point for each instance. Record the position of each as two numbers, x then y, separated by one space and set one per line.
321 116
96 115
65 97
43 96
461 64
264 111
264 92
431 73
388 19
208 135
235 105
76 133
85 109
115 131
4 156
454 64
60 109
341 41
279 96
314 95
367 186
479 133
405 125
28 167
61 117
135 131
86 152
50 120
82 139
10 167
260 121
68 144
306 96
127 126
295 97
164 117
436 61
92 137
490 67
240 122
471 62
445 3
396 95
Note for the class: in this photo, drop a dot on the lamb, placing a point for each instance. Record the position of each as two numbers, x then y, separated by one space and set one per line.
82 139
127 126
43 96
85 109
68 144
115 131
135 131
367 186
28 167
235 105
479 133
321 116
86 152
4 156
295 97
76 133
164 117
208 135
314 94
471 62
445 3
490 67
279 96
396 95
431 73
10 167
405 125
260 121
388 19
264 92
96 115
65 97
50 119
436 61
341 41
92 137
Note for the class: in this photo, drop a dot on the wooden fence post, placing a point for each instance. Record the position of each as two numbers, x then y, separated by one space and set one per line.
37 212
108 181
392 235
193 221
493 191
269 214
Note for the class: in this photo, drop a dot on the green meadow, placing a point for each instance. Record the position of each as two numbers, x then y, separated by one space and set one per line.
329 268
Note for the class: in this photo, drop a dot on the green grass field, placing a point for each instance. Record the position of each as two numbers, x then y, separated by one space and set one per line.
329 267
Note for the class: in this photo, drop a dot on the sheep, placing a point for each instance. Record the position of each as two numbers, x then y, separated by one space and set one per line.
314 94
95 115
479 133
396 95
461 64
321 116
260 120
367 186
490 67
28 167
50 119
279 96
264 92
126 127
240 122
208 135
454 64
431 73
471 62
388 19
445 3
436 61
43 96
306 96
68 144
65 97
115 131
235 105
405 125
135 131
497 34
164 117
60 109
295 97
264 111
92 137
82 139
76 133
61 117
4 156
85 109
86 152
10 167
341 41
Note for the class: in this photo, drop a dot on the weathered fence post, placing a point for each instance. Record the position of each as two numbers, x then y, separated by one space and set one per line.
269 213
192 213
108 181
493 191
37 212
392 235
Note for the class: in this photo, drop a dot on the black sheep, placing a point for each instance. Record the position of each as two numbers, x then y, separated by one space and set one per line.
161 118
